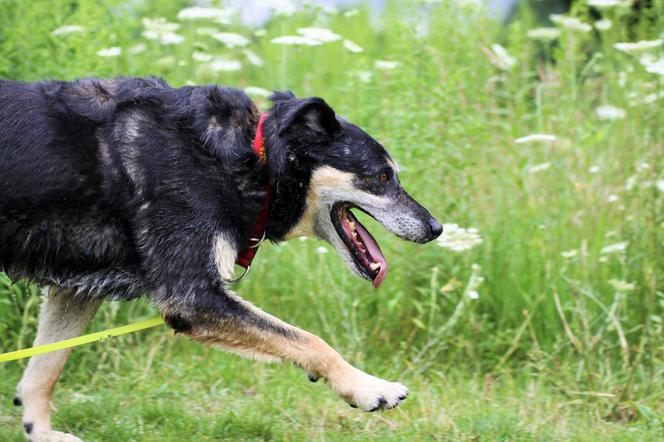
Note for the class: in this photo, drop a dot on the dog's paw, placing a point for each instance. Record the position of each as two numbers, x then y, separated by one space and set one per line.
52 436
370 393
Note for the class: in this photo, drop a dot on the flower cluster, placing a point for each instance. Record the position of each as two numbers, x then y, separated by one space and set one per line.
458 239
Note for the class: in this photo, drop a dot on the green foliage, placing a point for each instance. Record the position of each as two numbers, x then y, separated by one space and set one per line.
553 304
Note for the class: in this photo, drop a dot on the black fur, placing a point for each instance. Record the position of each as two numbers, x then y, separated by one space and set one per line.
113 187
117 188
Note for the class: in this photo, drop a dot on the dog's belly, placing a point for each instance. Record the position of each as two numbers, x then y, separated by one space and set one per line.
91 252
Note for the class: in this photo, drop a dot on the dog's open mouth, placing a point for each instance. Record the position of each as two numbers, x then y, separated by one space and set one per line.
363 247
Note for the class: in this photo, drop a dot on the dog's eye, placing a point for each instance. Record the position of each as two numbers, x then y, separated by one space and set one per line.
383 178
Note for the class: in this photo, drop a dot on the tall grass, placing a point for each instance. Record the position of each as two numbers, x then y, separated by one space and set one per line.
553 302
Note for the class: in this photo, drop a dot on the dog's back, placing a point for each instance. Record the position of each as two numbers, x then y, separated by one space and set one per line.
58 217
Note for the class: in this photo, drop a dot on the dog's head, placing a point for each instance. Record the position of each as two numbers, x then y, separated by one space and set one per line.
337 167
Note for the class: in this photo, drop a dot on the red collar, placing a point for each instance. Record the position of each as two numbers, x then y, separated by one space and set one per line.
258 234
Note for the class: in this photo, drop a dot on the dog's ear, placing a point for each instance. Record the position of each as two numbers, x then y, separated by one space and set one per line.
310 115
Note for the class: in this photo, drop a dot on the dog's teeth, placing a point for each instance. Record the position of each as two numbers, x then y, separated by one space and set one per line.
374 265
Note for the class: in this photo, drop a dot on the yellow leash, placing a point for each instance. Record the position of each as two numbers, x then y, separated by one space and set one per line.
81 340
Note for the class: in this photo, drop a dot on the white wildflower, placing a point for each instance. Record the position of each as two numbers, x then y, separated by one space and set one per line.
258 92
295 40
660 185
352 46
110 52
280 7
231 39
474 282
321 250
260 33
69 29
535 137
569 254
652 64
571 23
593 169
630 183
651 98
622 286
604 24
171 38
615 248
642 166
137 49
459 239
538 167
202 57
622 78
385 65
351 13
161 30
219 15
253 58
604 4
225 65
544 34
503 59
639 46
323 35
612 198
159 25
363 76
657 67
608 112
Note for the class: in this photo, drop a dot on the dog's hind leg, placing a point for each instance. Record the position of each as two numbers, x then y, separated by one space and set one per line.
62 316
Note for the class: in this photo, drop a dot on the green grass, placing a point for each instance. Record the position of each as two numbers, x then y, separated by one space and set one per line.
551 350
179 391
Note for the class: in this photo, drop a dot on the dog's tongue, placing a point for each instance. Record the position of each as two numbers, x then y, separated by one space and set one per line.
374 251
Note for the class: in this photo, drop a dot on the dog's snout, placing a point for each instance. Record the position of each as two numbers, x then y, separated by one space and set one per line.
436 228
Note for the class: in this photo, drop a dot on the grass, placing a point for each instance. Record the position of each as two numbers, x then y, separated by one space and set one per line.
183 391
565 339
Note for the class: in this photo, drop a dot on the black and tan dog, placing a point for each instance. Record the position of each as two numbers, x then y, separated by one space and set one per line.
114 189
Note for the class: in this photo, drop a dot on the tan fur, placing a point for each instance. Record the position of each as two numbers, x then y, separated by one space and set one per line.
322 178
303 349
395 167
326 184
62 317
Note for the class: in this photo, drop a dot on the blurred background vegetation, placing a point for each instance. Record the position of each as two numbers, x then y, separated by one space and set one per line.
538 141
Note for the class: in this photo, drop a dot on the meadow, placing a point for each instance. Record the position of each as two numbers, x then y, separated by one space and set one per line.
537 316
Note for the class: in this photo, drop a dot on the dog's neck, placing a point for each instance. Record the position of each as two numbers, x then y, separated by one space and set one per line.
289 179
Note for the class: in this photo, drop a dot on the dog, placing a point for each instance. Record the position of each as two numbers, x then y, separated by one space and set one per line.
113 189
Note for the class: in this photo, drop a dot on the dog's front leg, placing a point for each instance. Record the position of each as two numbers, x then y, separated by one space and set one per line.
225 320
192 297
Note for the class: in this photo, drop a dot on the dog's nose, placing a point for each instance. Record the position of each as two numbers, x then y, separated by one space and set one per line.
436 228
